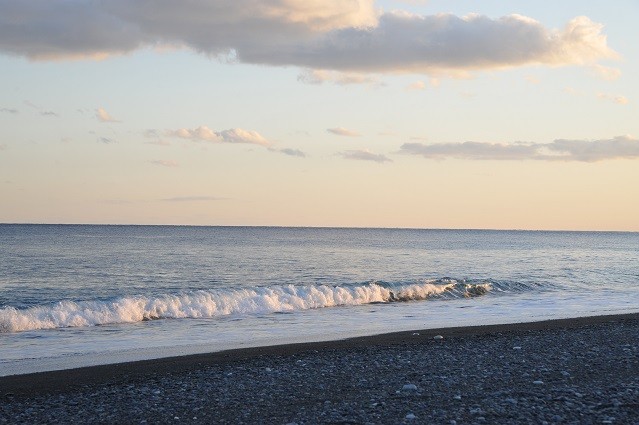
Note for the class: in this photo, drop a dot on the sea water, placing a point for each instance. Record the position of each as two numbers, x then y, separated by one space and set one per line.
74 295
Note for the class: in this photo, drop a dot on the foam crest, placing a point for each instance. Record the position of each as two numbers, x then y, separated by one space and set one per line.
214 303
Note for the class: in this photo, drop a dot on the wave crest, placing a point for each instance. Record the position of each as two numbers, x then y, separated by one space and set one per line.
214 303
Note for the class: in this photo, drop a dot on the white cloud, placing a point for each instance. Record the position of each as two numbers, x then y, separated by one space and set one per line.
417 85
365 155
620 147
9 110
532 79
618 99
572 91
349 36
233 135
106 140
321 76
605 72
103 116
341 131
165 163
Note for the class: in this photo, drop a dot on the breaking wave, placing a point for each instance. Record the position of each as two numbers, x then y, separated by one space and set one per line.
215 303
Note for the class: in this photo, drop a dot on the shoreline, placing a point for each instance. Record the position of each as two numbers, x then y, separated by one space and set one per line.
59 381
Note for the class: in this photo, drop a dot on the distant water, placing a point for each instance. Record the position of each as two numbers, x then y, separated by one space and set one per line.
75 295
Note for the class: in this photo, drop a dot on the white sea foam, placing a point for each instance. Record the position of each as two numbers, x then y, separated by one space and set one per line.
212 303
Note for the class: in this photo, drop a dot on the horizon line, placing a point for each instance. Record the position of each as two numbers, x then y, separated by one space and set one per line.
318 227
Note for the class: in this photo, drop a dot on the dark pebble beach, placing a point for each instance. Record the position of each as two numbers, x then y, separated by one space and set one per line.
572 371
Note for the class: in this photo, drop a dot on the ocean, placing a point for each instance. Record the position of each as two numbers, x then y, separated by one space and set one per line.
77 295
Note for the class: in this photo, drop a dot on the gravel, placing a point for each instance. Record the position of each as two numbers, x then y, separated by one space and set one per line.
587 374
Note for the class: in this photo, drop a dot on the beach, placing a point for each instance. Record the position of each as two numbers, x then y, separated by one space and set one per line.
583 370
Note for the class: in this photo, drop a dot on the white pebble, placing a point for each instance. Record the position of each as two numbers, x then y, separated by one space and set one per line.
438 337
538 382
410 416
457 397
517 348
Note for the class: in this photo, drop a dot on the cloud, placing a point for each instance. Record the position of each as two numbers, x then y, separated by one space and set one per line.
159 142
9 110
621 100
290 152
620 147
106 140
348 36
417 85
233 135
321 76
3 147
40 110
192 199
341 131
572 91
365 155
606 72
103 116
532 79
165 163
470 150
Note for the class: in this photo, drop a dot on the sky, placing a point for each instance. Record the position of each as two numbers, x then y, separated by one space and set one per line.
358 113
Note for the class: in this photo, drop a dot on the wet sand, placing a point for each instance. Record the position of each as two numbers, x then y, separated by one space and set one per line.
583 370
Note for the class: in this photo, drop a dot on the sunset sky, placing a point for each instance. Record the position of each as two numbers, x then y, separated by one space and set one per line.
428 114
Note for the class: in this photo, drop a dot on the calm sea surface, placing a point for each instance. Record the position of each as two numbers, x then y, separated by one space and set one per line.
77 295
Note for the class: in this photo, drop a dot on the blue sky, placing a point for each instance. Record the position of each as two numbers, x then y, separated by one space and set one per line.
428 114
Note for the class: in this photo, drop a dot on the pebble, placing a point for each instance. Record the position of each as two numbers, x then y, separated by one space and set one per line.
516 347
238 391
410 416
438 337
538 382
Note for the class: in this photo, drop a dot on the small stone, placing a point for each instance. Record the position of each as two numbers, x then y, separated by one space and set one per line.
268 369
415 333
564 373
517 348
457 397
438 337
410 416
409 387
538 382
453 422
